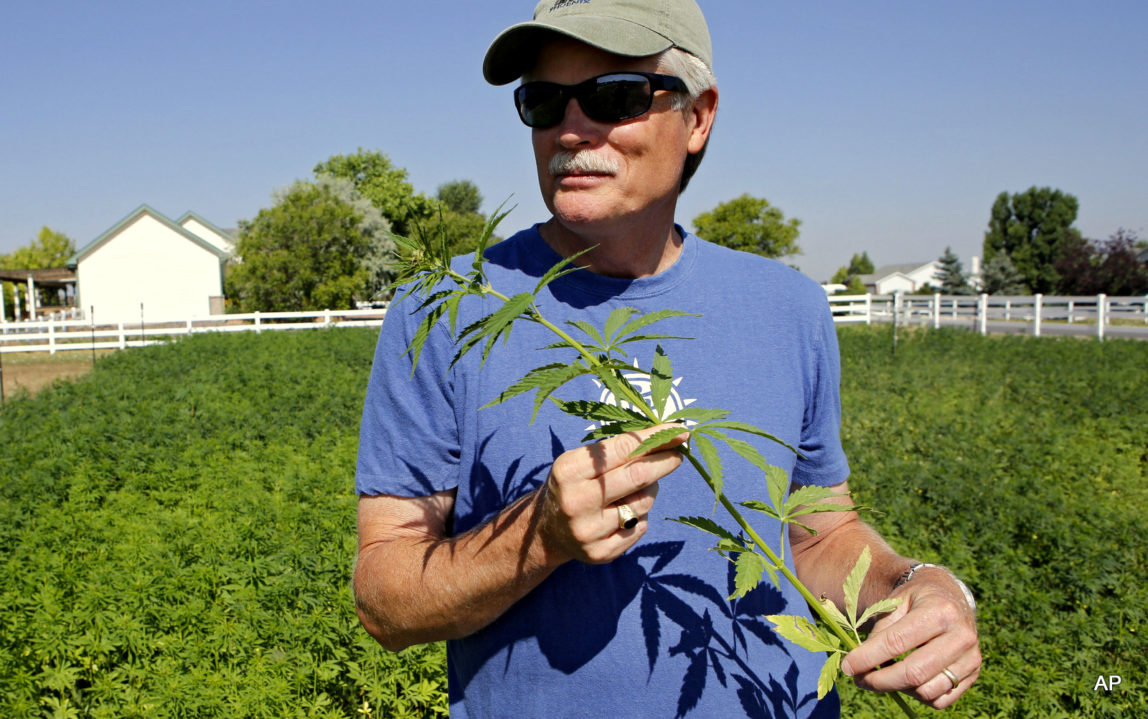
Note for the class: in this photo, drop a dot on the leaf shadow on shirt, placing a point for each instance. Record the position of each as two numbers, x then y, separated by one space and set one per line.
680 614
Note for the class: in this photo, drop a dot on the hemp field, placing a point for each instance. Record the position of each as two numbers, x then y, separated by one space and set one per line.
177 526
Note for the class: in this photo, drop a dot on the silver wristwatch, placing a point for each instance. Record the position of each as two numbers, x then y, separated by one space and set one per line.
921 565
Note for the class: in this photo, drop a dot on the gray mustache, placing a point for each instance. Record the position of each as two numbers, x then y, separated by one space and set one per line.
566 162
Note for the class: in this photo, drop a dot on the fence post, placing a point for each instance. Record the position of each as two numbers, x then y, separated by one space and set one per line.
51 335
1008 310
1101 315
326 317
1037 311
868 309
123 337
983 313
1071 306
936 310
258 324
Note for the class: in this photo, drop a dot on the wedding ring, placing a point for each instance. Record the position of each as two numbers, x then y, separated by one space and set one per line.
952 677
626 517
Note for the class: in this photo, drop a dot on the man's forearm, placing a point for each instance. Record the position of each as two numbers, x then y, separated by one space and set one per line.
824 562
412 589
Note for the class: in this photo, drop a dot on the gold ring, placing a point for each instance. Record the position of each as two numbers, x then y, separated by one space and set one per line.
952 677
626 517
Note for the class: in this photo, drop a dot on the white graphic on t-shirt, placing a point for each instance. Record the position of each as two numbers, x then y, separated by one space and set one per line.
641 382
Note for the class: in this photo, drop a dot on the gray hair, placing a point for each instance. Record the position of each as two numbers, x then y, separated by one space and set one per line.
698 78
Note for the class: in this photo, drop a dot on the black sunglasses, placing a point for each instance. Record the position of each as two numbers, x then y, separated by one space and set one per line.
612 97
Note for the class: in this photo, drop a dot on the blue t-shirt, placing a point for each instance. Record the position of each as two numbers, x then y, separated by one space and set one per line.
651 634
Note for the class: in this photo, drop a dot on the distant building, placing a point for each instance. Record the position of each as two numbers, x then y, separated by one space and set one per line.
902 278
150 265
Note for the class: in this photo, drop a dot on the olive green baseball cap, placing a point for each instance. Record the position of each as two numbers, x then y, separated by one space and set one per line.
633 28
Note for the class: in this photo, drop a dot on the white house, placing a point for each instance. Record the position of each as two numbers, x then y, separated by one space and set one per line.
200 227
149 266
902 278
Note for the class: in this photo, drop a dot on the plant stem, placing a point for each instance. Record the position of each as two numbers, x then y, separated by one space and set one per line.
814 604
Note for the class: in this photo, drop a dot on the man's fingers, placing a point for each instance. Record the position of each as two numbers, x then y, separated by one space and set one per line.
595 460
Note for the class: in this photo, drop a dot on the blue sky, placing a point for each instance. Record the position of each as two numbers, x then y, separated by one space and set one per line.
884 126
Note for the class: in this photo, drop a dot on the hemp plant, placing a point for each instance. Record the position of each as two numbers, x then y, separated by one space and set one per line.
425 268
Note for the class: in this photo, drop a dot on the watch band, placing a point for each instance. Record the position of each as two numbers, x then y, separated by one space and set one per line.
922 565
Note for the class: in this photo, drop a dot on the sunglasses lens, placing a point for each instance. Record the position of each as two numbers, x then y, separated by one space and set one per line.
606 98
540 104
617 97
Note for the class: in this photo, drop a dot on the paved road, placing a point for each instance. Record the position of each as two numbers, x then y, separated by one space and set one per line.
1053 329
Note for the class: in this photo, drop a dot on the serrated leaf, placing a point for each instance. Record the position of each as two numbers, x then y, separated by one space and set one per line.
697 414
618 385
615 321
803 633
657 439
777 482
561 268
730 545
831 608
759 506
853 582
661 380
708 525
749 453
492 326
650 318
613 429
649 338
421 334
600 411
828 677
747 575
711 460
751 429
881 607
537 377
587 329
487 232
807 495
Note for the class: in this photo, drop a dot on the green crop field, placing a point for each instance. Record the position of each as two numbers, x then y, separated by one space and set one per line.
177 527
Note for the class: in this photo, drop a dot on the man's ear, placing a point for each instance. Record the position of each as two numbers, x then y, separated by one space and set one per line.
701 118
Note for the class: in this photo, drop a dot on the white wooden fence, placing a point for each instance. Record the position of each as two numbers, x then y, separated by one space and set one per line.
54 336
1030 314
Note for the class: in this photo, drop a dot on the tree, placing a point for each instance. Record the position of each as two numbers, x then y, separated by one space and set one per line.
999 276
1032 228
384 185
460 196
859 264
459 217
1111 266
49 250
750 224
320 246
951 275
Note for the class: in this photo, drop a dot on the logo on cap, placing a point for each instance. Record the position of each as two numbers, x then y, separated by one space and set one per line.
567 3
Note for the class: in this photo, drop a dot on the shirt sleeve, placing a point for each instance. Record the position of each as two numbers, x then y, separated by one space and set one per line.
409 438
823 460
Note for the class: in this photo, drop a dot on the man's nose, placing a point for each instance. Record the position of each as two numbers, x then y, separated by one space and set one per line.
578 129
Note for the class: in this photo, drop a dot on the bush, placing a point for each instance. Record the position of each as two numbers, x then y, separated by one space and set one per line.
177 532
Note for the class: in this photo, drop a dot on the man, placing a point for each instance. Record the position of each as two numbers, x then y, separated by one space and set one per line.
517 545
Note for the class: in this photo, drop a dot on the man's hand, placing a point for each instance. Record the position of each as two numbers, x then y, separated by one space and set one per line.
579 515
936 625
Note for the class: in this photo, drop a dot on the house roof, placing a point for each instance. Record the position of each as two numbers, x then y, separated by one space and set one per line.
140 211
887 271
229 234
